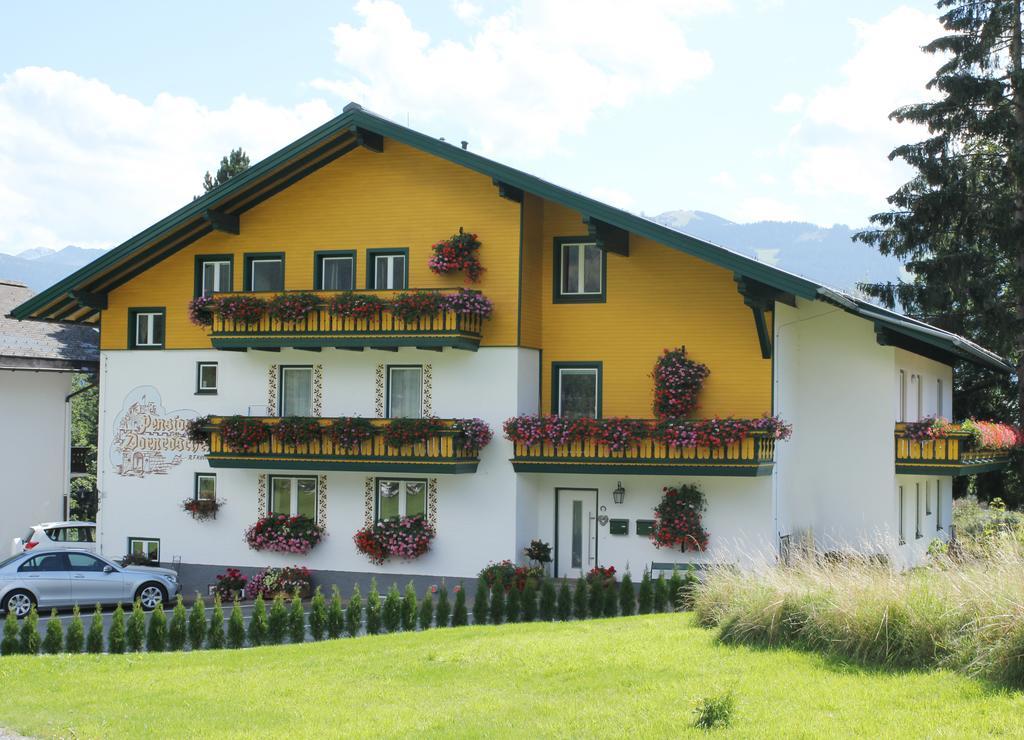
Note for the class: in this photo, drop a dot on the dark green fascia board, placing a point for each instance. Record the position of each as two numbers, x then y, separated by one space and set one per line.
607 237
221 221
955 470
334 463
935 348
454 342
604 466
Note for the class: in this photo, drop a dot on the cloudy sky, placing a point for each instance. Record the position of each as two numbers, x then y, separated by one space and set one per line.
111 112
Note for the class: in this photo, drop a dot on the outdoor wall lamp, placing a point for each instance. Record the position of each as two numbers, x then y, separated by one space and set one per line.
619 494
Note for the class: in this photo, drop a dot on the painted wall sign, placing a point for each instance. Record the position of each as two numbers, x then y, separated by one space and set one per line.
148 439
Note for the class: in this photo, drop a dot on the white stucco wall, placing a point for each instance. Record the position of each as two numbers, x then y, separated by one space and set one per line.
34 450
476 513
925 379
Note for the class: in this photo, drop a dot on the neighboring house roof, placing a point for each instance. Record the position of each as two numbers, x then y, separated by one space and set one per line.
32 345
81 296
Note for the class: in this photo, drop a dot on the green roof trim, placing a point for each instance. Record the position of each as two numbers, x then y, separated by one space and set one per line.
352 126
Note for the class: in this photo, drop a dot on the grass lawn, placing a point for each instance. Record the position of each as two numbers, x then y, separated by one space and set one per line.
606 677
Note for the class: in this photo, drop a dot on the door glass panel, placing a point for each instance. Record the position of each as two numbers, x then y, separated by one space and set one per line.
387 506
336 273
296 391
415 498
577 535
405 393
577 392
267 275
306 497
85 563
281 496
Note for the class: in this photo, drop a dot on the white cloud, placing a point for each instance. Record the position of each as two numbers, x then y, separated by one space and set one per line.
724 179
613 196
529 75
789 103
82 164
466 11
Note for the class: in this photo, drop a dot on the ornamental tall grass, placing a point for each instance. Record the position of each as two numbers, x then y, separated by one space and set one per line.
965 615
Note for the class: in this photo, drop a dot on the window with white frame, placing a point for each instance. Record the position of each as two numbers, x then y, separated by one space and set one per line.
144 547
577 391
901 517
296 391
918 509
148 328
938 505
206 487
266 273
920 396
902 391
214 276
405 392
337 272
928 498
206 377
581 270
939 400
293 496
400 497
389 271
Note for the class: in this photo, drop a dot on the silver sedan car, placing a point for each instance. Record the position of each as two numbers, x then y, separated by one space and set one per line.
58 578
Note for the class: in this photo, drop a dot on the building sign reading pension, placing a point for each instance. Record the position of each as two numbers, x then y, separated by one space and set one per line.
148 439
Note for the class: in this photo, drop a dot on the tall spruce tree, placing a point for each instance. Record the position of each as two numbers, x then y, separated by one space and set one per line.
233 164
958 223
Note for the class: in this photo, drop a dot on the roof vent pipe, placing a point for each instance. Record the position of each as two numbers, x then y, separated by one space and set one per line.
465 145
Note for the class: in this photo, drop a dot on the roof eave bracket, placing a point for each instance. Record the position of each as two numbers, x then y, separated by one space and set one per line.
220 221
608 238
97 301
369 140
508 192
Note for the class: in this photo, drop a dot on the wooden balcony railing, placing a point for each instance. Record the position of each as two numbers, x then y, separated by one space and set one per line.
754 455
950 454
321 328
437 454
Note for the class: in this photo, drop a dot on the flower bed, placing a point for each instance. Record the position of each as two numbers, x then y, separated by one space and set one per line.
297 430
349 432
406 537
677 519
677 381
290 307
511 575
457 253
243 434
602 575
280 533
230 583
270 582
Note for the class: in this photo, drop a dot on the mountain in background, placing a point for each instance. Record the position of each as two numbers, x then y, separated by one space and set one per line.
828 256
40 268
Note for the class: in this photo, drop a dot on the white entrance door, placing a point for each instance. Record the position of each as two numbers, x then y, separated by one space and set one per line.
576 538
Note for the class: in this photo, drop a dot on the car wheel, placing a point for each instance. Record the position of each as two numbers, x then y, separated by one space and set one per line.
18 602
150 595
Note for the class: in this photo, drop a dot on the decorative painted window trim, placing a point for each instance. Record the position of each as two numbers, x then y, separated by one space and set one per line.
379 392
272 372
321 500
202 390
261 495
369 501
432 501
556 385
428 389
202 259
556 278
318 390
134 314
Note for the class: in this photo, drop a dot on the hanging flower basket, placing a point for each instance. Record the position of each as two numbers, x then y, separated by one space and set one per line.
677 381
196 431
472 435
200 310
677 519
469 303
202 509
457 253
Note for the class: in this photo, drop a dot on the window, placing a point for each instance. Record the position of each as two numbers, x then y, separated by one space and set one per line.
206 487
579 271
902 505
919 529
296 391
144 547
902 391
405 392
396 498
84 563
48 563
928 498
388 270
264 272
206 377
213 274
146 328
293 496
939 400
576 390
938 505
920 396
334 271
72 534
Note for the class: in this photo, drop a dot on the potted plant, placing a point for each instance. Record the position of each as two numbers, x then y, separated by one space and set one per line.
202 508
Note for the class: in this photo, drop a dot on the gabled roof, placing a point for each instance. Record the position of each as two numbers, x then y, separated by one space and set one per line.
36 346
80 296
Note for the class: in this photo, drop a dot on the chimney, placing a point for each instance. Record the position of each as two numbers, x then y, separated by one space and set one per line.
465 145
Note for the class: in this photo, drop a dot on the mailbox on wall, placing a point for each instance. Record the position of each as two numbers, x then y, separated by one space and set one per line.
618 526
644 526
